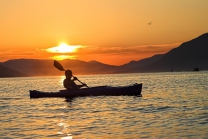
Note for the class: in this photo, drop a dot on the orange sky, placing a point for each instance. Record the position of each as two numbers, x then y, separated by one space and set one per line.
110 31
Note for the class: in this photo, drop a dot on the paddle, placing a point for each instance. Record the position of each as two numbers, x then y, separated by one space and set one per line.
60 67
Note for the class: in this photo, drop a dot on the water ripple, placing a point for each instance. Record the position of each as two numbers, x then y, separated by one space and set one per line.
174 105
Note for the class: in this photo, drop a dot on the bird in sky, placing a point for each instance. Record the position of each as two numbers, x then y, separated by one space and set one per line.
149 23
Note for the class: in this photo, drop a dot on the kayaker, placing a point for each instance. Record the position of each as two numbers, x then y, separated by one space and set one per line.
69 82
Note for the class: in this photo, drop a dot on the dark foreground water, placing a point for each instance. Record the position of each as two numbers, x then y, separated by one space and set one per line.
174 105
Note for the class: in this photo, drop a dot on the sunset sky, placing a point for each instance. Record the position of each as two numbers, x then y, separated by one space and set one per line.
110 31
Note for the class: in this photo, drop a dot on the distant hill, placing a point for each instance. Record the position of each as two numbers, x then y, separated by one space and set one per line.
7 72
32 67
189 55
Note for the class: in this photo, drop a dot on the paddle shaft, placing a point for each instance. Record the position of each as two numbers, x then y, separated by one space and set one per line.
81 82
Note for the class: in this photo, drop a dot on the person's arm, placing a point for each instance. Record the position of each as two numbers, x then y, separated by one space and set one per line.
75 78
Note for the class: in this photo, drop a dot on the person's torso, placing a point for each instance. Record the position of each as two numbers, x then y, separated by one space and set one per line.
69 84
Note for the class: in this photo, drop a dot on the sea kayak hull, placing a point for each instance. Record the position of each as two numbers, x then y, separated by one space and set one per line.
133 90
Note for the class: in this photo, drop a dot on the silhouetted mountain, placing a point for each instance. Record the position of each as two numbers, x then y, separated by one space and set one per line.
92 67
7 72
186 57
140 63
32 67
35 67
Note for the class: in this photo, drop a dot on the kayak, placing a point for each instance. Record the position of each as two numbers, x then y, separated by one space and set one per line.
132 90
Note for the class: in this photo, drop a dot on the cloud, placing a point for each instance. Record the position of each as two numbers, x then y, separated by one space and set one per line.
27 54
163 48
93 53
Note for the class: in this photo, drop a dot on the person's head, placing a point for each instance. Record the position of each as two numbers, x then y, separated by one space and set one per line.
68 73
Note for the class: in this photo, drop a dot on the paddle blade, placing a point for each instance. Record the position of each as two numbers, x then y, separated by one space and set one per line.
58 65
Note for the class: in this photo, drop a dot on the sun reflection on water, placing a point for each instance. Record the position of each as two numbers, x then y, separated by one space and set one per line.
63 126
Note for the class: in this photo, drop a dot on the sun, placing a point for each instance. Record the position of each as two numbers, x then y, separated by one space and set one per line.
64 48
64 51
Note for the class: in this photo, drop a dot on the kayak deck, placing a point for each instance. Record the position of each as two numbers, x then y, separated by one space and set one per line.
133 90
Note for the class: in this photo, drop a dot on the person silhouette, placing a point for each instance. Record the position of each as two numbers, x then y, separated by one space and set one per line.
69 83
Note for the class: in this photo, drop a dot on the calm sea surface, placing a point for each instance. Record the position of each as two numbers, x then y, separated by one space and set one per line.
173 105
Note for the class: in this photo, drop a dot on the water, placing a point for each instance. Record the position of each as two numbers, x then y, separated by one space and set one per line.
174 105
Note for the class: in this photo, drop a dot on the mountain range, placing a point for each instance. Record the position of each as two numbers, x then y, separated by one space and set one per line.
189 55
7 72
